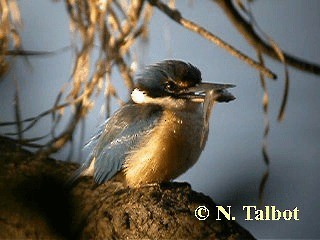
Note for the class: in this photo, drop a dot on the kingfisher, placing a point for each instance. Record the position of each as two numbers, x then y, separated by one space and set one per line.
160 132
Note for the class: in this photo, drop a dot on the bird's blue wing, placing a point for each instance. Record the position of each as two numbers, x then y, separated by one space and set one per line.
120 135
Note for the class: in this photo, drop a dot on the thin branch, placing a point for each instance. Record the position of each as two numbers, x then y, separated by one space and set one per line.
265 106
248 32
177 17
125 72
34 120
280 57
56 144
17 109
21 52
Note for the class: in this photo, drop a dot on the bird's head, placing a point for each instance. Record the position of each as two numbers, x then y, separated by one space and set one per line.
172 80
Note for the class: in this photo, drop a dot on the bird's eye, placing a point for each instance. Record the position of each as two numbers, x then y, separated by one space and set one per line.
170 86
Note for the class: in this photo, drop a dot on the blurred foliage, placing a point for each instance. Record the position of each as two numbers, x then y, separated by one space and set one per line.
9 35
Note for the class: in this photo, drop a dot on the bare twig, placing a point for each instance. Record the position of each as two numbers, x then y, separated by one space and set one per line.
21 52
265 105
280 56
17 111
248 32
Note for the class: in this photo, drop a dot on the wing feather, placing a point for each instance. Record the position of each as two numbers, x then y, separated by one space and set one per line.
121 134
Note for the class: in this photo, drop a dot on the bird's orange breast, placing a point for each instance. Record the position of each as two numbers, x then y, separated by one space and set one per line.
171 148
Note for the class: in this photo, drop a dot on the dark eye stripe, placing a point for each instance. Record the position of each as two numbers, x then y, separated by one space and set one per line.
171 86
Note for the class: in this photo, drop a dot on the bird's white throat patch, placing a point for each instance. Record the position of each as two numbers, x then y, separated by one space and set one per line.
139 96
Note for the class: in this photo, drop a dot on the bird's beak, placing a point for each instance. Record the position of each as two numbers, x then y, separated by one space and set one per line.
199 92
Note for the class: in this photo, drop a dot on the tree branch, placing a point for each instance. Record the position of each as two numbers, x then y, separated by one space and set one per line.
248 32
35 203
177 17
